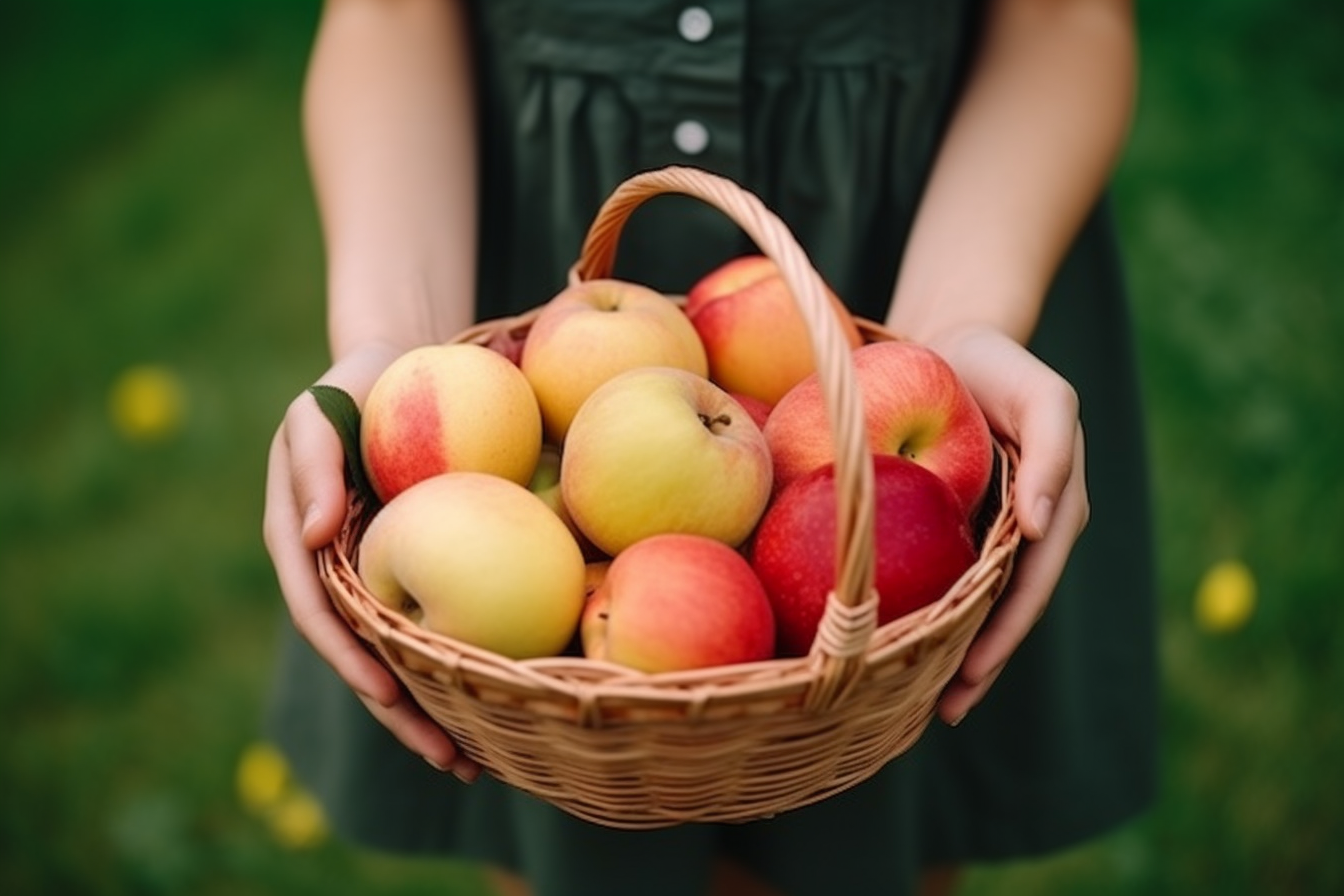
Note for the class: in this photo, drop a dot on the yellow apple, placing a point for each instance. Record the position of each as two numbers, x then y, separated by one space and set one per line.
480 559
658 449
594 330
446 408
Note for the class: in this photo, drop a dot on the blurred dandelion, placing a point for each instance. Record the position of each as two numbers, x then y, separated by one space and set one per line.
297 821
147 403
268 789
262 777
1225 598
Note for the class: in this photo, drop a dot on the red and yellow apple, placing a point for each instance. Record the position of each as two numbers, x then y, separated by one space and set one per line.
914 405
674 602
480 559
922 543
444 408
756 339
659 449
593 330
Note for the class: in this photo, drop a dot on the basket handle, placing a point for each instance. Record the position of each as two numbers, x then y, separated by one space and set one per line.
851 611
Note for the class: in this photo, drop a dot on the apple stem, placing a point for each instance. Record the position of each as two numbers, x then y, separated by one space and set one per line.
709 422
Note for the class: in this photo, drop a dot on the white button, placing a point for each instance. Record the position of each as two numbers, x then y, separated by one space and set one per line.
691 137
695 23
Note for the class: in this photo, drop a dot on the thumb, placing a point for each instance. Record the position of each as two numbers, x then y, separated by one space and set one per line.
317 457
1049 438
317 471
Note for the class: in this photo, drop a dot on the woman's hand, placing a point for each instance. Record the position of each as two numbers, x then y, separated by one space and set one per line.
1033 407
305 507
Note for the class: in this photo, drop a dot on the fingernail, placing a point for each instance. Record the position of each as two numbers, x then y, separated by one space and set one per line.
310 515
957 721
1041 513
466 771
434 765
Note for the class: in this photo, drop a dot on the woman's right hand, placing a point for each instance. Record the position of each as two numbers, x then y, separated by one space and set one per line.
305 507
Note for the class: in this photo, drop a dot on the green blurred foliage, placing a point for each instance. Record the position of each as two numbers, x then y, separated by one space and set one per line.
154 208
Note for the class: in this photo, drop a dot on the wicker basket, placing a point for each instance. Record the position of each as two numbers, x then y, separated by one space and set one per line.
726 744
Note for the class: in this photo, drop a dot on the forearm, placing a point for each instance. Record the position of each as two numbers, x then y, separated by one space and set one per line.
1045 113
389 127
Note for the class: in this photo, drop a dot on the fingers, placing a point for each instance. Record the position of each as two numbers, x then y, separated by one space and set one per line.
1036 574
305 507
316 456
1028 404
960 697
421 734
306 597
317 621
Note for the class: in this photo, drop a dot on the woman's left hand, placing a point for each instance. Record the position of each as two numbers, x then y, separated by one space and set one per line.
1033 407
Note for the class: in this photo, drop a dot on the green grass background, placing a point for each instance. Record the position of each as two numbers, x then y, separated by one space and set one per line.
154 207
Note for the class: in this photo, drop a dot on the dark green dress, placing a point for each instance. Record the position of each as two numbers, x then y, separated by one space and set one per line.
831 112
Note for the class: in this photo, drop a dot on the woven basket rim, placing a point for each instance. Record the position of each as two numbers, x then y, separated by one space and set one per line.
581 679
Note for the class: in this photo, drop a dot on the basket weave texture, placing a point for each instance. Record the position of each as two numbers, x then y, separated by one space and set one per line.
726 744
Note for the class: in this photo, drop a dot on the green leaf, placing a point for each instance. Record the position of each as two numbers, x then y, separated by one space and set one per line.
343 414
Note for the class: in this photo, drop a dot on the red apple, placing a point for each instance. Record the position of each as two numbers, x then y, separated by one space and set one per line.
755 338
756 409
673 602
922 541
914 405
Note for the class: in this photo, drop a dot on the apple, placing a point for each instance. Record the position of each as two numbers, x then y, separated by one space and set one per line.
757 341
596 574
480 559
545 484
444 408
914 405
758 410
921 539
659 449
593 330
508 341
674 602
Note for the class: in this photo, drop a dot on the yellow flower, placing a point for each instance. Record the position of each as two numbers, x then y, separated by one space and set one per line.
147 403
298 821
1225 598
262 777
